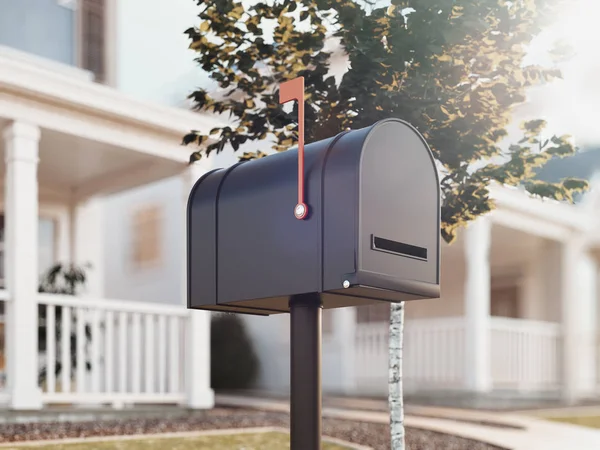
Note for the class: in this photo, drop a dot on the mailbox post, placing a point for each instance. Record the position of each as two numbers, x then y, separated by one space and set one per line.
347 221
305 371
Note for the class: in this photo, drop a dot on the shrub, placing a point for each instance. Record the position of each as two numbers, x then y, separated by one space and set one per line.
233 361
64 279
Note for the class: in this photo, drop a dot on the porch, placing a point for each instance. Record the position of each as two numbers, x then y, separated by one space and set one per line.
525 356
67 143
83 360
518 315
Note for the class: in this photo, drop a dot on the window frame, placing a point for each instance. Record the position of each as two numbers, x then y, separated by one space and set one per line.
108 36
135 239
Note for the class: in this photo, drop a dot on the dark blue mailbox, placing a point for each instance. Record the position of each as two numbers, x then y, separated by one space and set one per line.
372 232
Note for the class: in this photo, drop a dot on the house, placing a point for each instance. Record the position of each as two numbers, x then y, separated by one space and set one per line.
90 106
517 317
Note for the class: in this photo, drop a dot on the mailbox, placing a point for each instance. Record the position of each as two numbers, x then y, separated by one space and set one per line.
371 233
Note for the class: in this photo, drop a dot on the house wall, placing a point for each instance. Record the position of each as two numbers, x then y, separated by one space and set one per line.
532 295
70 233
161 282
41 27
539 297
271 339
451 301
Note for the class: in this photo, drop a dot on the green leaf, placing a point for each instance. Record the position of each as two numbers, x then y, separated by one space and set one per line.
453 69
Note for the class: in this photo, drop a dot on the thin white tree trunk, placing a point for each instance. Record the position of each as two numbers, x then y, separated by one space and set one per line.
395 393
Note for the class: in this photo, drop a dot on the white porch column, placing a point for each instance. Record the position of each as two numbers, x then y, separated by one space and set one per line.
21 214
197 358
573 319
478 377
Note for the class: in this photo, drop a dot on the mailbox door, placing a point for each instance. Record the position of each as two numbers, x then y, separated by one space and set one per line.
399 217
381 194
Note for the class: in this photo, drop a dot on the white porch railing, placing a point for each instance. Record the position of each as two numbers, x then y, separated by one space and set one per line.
434 353
525 355
371 358
112 352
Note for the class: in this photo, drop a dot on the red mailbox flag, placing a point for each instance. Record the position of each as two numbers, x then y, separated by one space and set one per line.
288 91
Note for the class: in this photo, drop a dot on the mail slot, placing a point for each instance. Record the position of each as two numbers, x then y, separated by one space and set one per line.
371 234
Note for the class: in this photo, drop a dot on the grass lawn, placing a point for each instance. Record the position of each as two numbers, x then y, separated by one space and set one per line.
585 421
242 441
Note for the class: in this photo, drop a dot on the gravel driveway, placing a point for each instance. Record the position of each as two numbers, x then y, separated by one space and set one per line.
370 434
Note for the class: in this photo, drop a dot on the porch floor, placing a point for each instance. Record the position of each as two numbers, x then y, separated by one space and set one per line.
65 413
499 401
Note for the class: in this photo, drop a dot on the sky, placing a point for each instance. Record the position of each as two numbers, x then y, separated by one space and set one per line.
571 105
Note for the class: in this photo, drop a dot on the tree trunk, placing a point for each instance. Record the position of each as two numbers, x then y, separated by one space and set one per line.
395 393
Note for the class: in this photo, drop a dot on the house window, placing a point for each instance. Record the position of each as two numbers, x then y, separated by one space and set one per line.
93 37
146 234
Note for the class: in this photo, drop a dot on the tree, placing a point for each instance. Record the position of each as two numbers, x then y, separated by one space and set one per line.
452 68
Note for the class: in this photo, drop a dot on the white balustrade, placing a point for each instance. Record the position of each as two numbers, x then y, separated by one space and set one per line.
136 353
371 358
124 351
524 355
434 353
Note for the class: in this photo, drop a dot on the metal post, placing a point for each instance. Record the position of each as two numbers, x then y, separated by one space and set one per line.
305 408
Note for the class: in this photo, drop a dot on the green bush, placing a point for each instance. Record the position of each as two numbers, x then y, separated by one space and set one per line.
233 361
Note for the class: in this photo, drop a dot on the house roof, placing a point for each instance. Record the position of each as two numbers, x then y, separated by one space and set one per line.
44 82
95 139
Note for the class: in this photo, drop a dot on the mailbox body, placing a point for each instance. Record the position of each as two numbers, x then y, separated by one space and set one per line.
373 222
